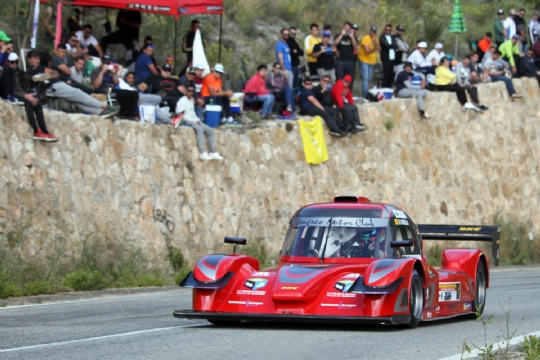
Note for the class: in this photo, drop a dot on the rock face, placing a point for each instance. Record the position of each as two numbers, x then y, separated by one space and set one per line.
143 181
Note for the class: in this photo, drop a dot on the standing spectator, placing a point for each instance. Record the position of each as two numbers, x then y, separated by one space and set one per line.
418 59
325 55
509 25
73 22
191 78
188 39
144 66
405 88
369 45
186 106
212 92
485 43
296 52
256 91
510 52
105 79
496 68
12 91
345 44
498 27
534 28
277 84
328 27
354 29
436 54
128 23
521 29
310 106
164 86
342 95
463 78
488 54
445 80
283 57
88 41
77 70
323 94
311 40
527 66
402 48
388 55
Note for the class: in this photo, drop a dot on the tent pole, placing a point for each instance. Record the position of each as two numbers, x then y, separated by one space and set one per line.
456 44
175 41
220 35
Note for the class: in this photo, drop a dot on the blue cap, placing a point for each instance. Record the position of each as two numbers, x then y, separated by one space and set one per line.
326 33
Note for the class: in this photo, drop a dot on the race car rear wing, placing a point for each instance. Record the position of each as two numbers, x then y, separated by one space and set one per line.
464 233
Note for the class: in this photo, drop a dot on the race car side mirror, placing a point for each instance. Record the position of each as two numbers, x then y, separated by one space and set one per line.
235 241
401 243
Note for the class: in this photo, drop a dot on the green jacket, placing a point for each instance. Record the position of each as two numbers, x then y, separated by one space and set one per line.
499 30
508 49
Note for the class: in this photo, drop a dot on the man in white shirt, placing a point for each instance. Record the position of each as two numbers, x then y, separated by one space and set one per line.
509 25
435 55
88 41
418 59
186 109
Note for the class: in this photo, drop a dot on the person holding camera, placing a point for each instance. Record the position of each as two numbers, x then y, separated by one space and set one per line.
325 55
105 79
345 44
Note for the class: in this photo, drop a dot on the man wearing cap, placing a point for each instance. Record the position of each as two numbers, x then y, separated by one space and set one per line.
311 40
190 78
296 52
388 55
212 92
8 80
509 25
510 52
498 27
345 44
418 59
105 80
256 90
164 86
485 43
496 69
277 85
325 55
144 66
342 95
435 55
369 45
4 40
402 48
406 89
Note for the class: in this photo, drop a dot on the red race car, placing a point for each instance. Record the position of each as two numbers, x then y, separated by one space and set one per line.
348 261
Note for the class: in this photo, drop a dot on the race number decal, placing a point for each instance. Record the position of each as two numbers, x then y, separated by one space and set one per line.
449 291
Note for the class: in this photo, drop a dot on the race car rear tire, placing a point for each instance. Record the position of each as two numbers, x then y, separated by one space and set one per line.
480 296
416 300
224 323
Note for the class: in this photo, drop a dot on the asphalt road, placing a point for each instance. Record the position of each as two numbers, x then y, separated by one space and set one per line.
142 327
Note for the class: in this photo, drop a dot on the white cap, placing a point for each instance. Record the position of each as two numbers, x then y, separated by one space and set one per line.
219 68
13 57
438 46
422 44
199 66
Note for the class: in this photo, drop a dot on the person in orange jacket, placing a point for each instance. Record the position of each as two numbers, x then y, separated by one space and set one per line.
341 92
485 43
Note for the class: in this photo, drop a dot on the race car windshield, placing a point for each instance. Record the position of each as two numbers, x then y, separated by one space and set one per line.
336 237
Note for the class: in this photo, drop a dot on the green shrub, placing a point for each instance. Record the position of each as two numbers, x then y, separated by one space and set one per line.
150 280
38 288
518 245
7 288
532 347
434 253
85 280
180 275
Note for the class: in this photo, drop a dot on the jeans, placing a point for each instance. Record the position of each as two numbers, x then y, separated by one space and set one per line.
344 68
366 71
507 82
296 78
418 94
267 100
289 98
201 130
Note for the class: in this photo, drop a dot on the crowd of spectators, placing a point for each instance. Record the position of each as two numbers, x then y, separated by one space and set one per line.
83 73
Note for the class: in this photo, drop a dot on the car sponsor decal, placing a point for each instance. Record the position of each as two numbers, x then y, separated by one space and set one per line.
429 315
245 302
261 273
343 285
401 222
467 306
399 214
334 294
255 283
341 222
419 257
470 228
250 292
340 306
449 291
289 287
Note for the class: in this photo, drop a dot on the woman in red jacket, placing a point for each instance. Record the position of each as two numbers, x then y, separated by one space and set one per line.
256 91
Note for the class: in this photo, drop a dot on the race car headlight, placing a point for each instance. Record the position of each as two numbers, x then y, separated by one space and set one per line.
360 288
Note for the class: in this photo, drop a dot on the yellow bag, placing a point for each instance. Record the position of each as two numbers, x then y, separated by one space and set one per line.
313 140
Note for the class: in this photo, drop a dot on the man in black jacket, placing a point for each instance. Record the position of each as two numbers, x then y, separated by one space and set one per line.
296 52
388 55
527 67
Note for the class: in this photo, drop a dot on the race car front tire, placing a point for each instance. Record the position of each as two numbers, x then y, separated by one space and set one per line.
416 300
480 295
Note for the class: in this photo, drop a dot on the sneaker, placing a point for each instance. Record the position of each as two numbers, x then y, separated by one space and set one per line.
484 108
269 117
364 100
41 77
109 111
289 108
224 121
516 95
355 131
478 108
425 115
361 126
216 156
334 133
205 156
177 120
40 135
231 121
51 138
469 106
14 101
100 97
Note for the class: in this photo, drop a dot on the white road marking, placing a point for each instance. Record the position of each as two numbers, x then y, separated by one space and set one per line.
131 333
496 346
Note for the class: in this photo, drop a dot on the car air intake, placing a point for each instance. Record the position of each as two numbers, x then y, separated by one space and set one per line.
352 199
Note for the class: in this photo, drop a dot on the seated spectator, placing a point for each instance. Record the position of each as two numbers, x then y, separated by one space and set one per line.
256 90
12 91
488 54
190 78
527 67
73 48
485 43
478 74
62 90
164 86
59 63
148 99
88 41
4 54
496 68
199 79
463 72
342 95
186 106
212 92
406 88
435 55
418 59
445 80
309 105
325 55
105 80
510 52
77 70
277 85
144 65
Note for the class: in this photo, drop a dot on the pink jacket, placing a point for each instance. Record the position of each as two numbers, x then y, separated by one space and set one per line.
257 85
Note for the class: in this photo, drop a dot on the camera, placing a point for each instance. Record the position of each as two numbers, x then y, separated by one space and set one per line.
110 67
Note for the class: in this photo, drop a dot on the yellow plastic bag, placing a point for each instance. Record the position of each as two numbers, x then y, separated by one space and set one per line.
313 140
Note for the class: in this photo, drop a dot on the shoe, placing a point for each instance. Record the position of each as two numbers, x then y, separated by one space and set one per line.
269 117
100 97
361 126
51 138
364 100
177 120
478 108
40 135
41 77
14 101
469 106
344 134
289 108
354 131
216 156
425 116
224 121
205 156
109 111
333 133
516 95
484 108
